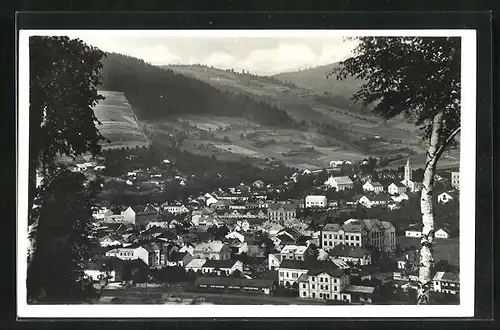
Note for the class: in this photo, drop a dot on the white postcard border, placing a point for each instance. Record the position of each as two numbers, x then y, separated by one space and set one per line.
467 193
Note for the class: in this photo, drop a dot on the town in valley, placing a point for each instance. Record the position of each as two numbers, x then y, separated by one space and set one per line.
229 186
248 244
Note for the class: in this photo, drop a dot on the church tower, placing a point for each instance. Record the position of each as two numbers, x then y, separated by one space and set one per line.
407 172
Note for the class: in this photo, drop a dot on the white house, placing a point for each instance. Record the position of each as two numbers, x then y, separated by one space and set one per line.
294 252
273 261
235 235
441 233
195 264
373 186
176 209
98 271
401 197
222 267
339 183
444 197
210 200
396 188
446 282
130 253
414 231
316 201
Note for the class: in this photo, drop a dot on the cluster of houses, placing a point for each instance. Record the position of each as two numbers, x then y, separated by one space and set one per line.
213 236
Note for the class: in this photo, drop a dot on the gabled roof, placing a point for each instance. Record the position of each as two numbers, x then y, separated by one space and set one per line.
415 227
341 179
348 251
335 272
331 227
317 265
398 184
234 281
215 246
447 276
359 289
217 264
285 206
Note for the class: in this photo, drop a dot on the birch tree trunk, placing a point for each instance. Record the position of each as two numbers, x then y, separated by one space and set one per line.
426 208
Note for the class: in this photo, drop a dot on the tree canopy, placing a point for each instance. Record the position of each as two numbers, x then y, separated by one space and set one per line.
64 75
155 92
63 246
413 76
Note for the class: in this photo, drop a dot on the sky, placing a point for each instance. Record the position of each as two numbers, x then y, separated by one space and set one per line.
259 55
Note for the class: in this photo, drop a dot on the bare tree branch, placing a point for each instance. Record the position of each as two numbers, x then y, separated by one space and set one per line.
447 142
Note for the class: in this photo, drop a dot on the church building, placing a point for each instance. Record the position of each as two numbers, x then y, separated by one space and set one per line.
413 186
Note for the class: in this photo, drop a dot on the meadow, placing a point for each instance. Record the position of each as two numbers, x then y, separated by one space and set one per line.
118 121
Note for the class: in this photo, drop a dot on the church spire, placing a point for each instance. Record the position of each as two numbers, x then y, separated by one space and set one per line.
408 172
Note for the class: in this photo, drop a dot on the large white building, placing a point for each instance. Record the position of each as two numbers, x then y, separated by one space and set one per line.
373 186
339 183
367 233
316 201
446 282
130 253
332 284
280 212
396 188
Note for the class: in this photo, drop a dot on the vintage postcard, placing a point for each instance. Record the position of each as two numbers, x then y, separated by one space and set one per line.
246 173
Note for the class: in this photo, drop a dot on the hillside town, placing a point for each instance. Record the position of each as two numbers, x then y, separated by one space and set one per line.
332 246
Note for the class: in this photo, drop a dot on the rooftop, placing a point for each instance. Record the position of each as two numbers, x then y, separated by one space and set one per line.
234 281
348 251
359 289
447 276
284 206
196 263
217 264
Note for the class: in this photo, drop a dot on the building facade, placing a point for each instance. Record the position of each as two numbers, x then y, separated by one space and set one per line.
446 282
339 183
316 201
367 233
280 212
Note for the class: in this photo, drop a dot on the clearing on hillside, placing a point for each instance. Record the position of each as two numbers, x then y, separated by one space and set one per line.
119 123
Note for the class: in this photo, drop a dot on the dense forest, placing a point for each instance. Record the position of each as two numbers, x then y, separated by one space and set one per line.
155 92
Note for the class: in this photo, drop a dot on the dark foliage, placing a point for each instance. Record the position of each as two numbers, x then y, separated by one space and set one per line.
63 247
64 76
155 93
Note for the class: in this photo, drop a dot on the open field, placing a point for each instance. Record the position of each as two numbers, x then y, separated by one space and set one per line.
444 249
119 123
222 136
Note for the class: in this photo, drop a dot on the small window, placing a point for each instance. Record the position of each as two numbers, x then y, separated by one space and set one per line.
335 288
303 285
321 287
326 287
314 286
304 294
320 295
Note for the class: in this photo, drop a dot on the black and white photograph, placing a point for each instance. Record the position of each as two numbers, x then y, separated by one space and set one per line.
243 173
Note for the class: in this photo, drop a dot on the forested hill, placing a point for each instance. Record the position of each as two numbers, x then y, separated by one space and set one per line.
154 92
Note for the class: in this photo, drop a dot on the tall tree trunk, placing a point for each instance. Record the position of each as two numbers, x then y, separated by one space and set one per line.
426 208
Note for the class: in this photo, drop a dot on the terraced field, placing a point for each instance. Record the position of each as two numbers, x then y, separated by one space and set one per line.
119 123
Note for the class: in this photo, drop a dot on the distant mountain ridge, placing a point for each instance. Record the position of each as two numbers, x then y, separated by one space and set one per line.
315 79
